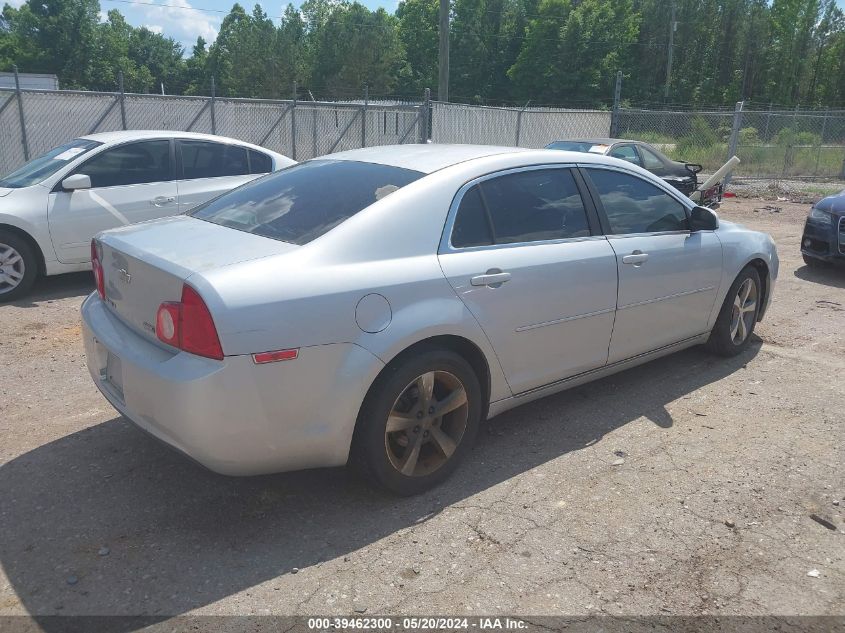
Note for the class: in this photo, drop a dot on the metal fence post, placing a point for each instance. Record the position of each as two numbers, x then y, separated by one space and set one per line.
293 124
614 115
519 121
364 116
821 143
737 125
24 140
122 96
314 130
213 98
426 113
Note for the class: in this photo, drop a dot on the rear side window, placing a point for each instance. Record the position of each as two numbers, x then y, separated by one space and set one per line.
626 152
472 224
201 159
259 163
650 160
527 206
633 205
301 203
130 164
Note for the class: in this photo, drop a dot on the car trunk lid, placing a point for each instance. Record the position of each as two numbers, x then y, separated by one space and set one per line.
146 264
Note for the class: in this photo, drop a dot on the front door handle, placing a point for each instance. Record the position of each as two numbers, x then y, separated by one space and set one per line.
636 258
492 278
160 201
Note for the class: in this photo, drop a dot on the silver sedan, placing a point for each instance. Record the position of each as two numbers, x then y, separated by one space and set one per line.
374 306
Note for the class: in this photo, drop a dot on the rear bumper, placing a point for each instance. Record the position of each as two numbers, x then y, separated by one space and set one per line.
824 241
232 416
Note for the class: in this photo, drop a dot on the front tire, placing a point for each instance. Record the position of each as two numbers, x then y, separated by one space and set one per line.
418 422
18 267
732 332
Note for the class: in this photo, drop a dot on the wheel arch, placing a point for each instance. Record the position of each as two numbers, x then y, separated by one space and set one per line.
461 346
33 243
762 269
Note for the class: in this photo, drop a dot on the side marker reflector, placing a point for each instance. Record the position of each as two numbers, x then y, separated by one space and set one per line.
276 356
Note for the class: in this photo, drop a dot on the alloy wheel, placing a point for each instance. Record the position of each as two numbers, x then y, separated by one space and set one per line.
744 311
12 268
426 423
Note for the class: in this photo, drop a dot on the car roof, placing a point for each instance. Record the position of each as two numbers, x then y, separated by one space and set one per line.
135 135
425 158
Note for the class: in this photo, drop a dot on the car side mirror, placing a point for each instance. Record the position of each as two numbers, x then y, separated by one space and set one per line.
77 181
694 167
703 219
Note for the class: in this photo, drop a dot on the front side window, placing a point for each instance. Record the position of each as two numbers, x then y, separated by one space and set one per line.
626 152
527 206
301 203
202 159
43 167
130 164
633 205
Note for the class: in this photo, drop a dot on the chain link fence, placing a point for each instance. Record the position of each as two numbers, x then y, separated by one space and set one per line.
34 121
521 127
772 144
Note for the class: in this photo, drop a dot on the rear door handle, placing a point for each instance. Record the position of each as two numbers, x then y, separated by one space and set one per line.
160 201
636 258
493 278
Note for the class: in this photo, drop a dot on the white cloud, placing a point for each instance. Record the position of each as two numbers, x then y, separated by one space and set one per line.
180 22
16 3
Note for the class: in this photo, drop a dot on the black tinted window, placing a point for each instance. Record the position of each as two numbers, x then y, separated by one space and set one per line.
633 205
201 159
259 163
471 225
540 204
131 164
302 202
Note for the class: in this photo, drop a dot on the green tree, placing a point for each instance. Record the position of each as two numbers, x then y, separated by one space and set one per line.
418 31
355 47
571 52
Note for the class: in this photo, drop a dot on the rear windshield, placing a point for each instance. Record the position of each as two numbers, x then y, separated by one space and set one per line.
301 203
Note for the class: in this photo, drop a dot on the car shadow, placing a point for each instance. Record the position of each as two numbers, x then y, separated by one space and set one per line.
181 537
56 287
831 276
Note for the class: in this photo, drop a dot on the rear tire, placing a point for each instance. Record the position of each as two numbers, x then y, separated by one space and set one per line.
814 262
735 323
401 443
18 267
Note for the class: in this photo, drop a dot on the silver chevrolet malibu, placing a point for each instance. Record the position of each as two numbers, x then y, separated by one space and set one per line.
373 306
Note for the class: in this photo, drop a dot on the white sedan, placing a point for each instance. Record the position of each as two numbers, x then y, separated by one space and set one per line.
51 207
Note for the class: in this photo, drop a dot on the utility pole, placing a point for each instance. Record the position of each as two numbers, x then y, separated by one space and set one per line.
443 77
672 26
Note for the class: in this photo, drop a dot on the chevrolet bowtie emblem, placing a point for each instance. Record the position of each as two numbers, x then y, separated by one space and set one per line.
124 275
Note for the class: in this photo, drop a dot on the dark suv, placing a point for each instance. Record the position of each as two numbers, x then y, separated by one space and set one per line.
824 232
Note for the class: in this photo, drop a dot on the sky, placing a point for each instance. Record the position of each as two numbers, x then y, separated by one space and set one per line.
185 20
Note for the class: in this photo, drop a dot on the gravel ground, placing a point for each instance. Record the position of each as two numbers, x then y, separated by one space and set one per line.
686 486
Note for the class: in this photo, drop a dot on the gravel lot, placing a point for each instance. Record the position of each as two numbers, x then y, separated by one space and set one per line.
685 486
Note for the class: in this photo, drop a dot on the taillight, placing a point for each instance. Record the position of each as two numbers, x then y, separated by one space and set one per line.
187 325
97 267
